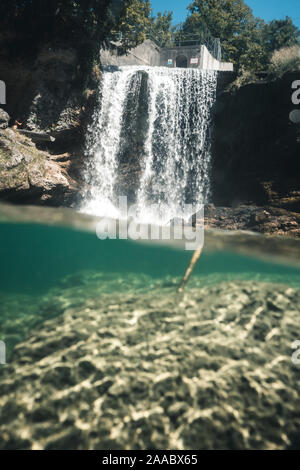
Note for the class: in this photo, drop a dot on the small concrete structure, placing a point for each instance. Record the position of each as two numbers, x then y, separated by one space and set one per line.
208 62
148 53
183 57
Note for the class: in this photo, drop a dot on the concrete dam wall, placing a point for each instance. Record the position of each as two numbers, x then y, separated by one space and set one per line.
148 53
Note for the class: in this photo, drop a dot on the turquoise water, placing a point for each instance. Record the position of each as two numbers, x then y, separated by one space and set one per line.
44 269
34 258
77 310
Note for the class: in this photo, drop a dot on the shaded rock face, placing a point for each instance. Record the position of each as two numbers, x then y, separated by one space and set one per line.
51 93
29 175
211 369
256 146
267 220
45 94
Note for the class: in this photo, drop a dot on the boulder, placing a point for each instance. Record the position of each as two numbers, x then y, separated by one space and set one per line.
4 119
29 175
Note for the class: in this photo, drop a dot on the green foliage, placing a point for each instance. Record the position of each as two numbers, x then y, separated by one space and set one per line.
223 18
138 25
160 29
79 24
82 24
193 29
280 33
61 20
244 78
246 41
233 22
134 23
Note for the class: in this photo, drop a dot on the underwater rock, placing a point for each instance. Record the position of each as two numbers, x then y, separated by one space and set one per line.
209 369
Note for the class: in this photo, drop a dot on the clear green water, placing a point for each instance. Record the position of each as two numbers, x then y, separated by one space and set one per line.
35 258
117 321
45 269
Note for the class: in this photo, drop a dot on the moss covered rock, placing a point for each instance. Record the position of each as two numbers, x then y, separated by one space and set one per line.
30 175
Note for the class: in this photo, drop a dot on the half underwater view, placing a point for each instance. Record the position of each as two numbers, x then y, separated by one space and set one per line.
149 227
103 352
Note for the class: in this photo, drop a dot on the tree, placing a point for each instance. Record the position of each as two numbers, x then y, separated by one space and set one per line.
160 29
60 19
280 33
75 22
80 24
246 41
138 24
194 28
233 23
135 22
223 18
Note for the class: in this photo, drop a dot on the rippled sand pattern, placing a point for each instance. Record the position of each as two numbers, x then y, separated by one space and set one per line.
210 369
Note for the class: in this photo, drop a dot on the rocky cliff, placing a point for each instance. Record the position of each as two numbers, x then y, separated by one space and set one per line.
50 94
256 146
29 175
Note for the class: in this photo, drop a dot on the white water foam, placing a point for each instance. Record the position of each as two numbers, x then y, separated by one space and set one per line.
176 154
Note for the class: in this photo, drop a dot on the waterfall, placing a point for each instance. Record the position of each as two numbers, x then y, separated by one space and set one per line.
150 141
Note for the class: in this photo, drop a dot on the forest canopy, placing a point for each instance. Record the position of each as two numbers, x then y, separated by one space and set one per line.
246 41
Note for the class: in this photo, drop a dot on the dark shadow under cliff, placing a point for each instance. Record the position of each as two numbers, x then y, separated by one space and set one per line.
48 92
256 148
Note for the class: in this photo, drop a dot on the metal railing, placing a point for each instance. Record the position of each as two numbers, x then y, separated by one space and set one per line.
180 38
